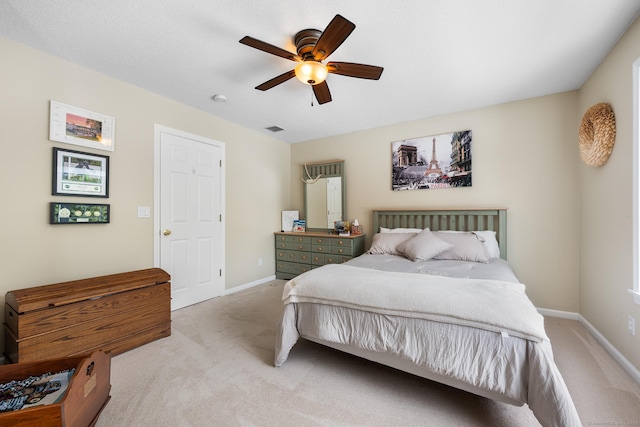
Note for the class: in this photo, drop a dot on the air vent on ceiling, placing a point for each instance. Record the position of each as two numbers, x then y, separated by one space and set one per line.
275 128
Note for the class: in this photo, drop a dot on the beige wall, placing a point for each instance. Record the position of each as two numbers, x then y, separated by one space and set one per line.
36 253
606 263
524 159
569 225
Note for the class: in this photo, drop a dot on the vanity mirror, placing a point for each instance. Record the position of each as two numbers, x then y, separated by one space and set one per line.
324 194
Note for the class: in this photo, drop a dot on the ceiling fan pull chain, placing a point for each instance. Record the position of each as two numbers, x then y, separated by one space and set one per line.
312 96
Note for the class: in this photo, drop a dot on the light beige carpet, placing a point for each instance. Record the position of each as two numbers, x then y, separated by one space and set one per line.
216 369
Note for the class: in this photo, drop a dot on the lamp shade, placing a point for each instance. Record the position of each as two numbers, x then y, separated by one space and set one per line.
311 72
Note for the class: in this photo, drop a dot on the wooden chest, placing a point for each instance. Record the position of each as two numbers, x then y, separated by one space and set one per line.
113 313
84 399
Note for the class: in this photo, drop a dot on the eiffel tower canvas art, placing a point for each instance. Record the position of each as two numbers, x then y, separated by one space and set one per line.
429 162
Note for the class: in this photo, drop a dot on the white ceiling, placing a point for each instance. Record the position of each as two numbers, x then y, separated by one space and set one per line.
439 56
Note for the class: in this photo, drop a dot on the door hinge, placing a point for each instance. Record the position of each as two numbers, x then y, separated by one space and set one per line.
220 272
220 217
220 162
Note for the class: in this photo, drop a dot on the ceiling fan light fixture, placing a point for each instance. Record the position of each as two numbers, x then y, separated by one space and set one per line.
311 72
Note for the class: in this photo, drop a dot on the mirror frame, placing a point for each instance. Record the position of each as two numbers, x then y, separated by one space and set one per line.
329 169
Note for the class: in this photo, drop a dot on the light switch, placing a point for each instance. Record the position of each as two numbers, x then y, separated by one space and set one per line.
144 211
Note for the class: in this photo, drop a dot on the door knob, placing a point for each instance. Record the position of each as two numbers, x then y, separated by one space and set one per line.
166 232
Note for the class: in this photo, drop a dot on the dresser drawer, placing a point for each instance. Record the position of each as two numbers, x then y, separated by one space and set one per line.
335 259
293 256
323 241
317 259
323 248
295 243
292 267
341 250
293 239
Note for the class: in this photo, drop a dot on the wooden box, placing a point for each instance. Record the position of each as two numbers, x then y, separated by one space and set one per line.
113 313
86 395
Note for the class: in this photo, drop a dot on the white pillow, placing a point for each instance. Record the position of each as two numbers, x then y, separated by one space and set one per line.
490 242
488 237
387 243
423 246
401 230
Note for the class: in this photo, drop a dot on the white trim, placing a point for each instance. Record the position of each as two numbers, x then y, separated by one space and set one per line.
636 295
556 313
248 285
626 365
636 181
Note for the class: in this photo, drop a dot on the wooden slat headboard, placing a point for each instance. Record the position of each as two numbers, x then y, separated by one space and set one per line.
450 219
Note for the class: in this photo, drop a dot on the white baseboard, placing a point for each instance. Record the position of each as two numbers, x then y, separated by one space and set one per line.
557 313
626 365
611 349
248 285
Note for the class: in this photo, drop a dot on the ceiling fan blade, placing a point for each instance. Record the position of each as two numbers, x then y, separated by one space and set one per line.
362 71
321 91
277 80
269 48
332 37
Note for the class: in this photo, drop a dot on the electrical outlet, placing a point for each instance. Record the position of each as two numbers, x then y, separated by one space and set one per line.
259 262
632 325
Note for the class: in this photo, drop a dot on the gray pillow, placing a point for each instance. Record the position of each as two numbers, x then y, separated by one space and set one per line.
466 247
387 243
423 246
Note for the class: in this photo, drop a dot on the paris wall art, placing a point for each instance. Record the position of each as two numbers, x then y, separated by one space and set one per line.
429 162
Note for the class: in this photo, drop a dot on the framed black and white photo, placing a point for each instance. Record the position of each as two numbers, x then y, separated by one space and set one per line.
73 125
79 174
79 213
429 162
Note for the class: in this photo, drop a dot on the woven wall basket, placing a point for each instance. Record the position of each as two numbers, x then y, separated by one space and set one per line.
597 134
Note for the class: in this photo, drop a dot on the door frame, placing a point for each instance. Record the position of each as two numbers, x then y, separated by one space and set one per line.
157 220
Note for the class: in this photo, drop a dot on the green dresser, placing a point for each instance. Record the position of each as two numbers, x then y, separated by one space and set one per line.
300 252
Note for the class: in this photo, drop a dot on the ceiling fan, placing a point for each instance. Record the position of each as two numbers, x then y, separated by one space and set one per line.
314 46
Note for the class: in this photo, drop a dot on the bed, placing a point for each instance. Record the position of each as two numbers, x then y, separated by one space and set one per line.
434 296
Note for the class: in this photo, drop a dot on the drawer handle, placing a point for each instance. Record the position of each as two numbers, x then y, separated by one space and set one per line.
292 255
340 250
304 257
340 242
319 249
330 260
300 247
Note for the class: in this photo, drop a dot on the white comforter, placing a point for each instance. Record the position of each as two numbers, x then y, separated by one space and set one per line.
485 304
483 336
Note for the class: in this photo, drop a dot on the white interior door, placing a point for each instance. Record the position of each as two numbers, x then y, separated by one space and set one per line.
190 228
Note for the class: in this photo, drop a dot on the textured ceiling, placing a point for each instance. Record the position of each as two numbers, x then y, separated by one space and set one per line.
439 56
